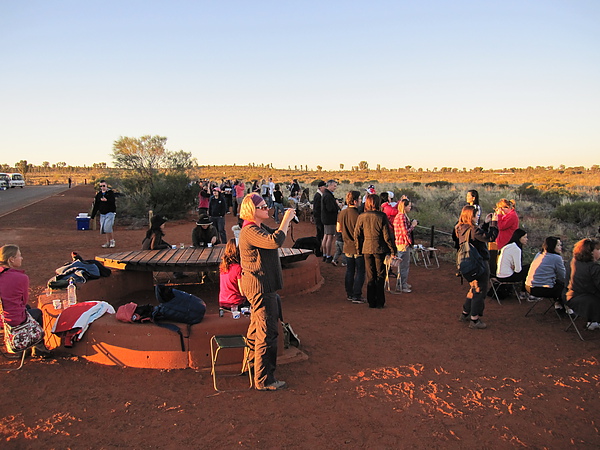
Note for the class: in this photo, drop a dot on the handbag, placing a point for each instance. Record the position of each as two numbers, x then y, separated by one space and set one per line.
24 336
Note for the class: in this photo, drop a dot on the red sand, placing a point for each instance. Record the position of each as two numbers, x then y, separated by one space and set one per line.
409 375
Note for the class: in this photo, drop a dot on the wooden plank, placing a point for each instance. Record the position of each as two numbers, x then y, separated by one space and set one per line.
215 257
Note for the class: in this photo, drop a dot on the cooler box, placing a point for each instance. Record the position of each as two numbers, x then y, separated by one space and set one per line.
83 221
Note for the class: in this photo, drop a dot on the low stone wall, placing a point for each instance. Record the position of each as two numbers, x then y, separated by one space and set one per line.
111 342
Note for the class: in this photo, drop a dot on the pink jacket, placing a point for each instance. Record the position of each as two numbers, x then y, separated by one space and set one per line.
14 292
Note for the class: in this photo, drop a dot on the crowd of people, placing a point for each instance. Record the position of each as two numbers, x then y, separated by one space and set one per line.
362 233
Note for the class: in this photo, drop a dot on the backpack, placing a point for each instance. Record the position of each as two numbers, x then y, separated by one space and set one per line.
469 262
177 306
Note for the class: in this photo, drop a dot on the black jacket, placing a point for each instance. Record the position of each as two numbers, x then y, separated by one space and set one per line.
372 233
329 208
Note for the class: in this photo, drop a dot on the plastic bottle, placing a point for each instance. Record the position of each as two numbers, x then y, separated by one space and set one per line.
71 293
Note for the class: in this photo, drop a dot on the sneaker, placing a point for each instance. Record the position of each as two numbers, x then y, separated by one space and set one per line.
523 296
409 286
532 298
329 259
463 317
477 324
324 258
592 326
359 300
112 243
350 298
105 245
275 386
344 264
334 263
407 290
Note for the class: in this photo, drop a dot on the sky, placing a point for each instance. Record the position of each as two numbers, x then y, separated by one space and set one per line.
425 83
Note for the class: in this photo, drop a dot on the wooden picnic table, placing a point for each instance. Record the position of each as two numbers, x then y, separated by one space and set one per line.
183 259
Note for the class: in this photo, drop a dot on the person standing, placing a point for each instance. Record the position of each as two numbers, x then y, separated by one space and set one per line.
403 230
262 277
374 240
240 192
105 204
467 230
277 203
317 212
217 208
355 262
271 192
329 212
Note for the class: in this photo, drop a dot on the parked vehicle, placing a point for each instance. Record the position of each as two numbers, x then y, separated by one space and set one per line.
4 181
16 180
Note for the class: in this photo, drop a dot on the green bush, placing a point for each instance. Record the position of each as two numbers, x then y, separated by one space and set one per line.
170 195
315 182
580 213
345 181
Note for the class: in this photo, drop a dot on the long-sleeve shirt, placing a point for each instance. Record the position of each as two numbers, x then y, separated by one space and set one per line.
509 261
259 258
403 229
545 269
14 292
104 206
507 224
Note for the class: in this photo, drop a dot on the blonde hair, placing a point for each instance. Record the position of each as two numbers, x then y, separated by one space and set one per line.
247 208
6 252
506 203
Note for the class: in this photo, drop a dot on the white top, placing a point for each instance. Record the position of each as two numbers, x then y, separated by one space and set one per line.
509 261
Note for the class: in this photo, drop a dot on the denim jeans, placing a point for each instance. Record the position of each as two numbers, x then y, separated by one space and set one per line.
355 275
278 208
219 223
404 267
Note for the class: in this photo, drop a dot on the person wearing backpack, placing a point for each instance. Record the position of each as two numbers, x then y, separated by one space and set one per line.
467 230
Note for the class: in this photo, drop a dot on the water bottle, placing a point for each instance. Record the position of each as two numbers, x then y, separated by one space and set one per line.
71 293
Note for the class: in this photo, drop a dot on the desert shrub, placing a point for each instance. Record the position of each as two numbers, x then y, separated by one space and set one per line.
170 195
373 182
345 182
416 183
410 193
579 213
358 184
315 182
558 196
439 184
488 185
527 191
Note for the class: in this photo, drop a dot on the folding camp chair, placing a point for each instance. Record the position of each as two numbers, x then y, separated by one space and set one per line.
392 262
235 341
497 283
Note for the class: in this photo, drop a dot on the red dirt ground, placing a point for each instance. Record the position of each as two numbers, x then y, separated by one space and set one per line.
407 376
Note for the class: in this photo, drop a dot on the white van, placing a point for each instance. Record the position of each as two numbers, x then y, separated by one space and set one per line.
4 181
16 180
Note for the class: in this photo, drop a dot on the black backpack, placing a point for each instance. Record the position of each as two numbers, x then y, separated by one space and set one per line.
469 262
177 306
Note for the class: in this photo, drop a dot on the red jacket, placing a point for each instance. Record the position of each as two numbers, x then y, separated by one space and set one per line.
507 224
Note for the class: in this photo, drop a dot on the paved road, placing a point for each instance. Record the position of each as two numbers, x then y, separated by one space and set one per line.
17 198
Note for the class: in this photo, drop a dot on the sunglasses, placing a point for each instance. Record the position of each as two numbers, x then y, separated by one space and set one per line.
262 207
102 185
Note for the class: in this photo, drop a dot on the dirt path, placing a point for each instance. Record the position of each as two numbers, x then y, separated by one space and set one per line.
407 376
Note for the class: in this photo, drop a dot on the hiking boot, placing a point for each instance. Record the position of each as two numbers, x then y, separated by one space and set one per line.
275 386
112 243
477 324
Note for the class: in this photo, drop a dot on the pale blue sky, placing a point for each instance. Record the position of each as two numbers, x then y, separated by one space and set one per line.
460 83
